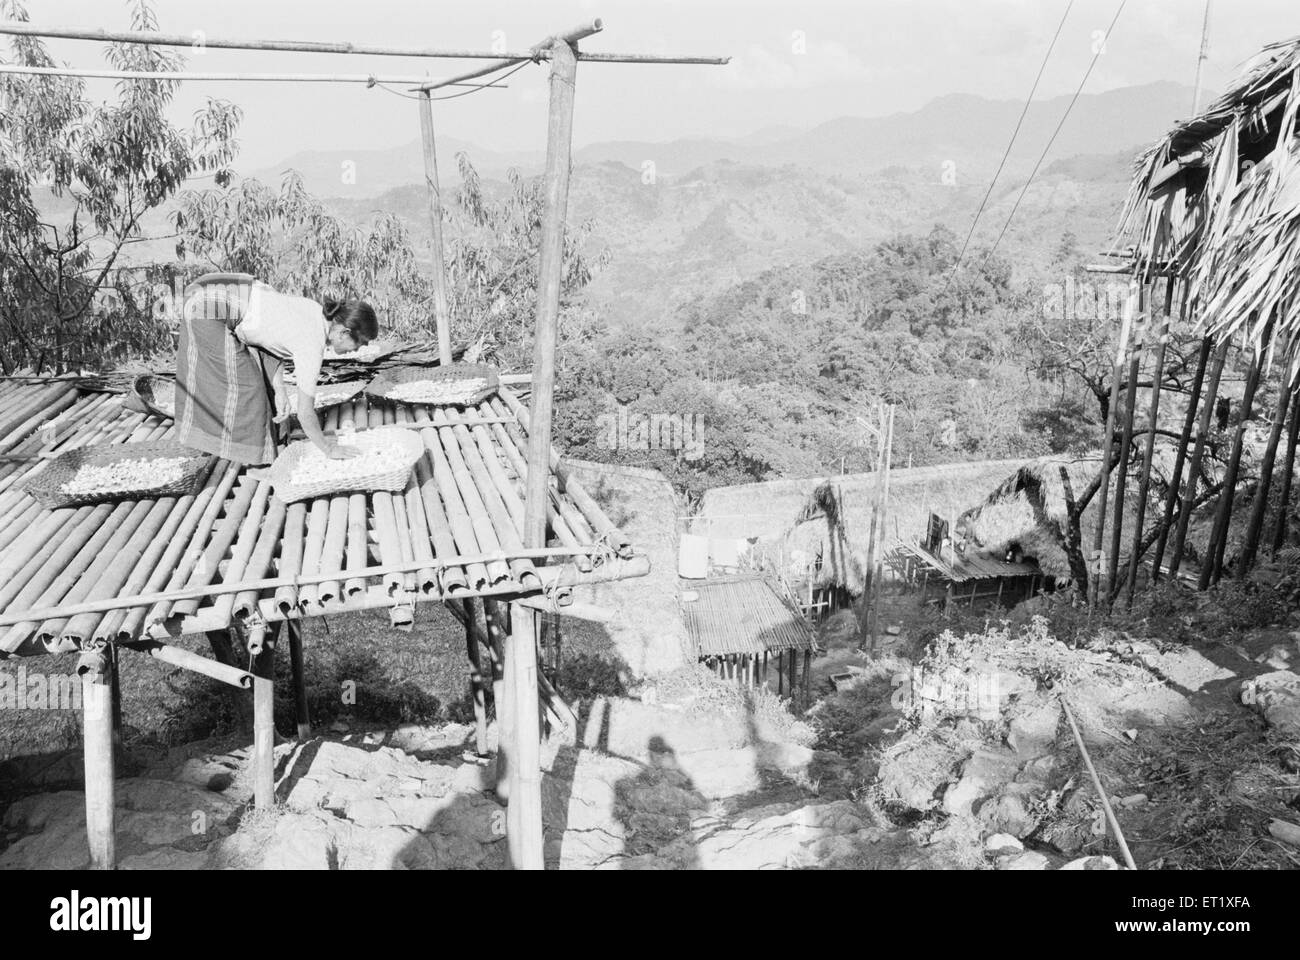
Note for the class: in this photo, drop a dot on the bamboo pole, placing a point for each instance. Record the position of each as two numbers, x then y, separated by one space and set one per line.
357 550
189 660
51 583
1125 446
1284 499
440 529
291 549
426 579
601 524
186 541
877 575
197 567
481 482
259 562
217 76
332 556
1198 453
525 802
123 567
263 721
401 521
476 686
568 39
1212 566
250 496
1259 508
313 544
299 680
97 745
1180 459
438 276
1096 587
496 623
564 517
1096 782
123 522
470 525
868 588
243 548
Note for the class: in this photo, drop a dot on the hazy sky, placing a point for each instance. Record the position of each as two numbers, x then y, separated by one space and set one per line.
860 57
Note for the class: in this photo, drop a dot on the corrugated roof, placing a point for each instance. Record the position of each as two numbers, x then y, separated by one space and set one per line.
743 615
462 510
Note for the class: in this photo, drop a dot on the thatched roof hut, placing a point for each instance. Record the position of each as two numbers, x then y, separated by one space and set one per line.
1028 514
795 521
1217 203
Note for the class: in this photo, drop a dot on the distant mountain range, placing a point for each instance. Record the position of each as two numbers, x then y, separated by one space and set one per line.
967 131
719 211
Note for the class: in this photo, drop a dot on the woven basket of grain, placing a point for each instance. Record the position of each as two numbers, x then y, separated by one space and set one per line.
120 471
455 385
332 394
375 350
384 461
152 395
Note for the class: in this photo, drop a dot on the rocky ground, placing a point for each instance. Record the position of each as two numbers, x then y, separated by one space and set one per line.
961 756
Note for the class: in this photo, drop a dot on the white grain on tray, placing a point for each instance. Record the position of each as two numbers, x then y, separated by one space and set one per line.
126 475
436 391
375 455
369 352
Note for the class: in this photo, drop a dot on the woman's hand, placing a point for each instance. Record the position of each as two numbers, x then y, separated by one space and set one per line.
336 452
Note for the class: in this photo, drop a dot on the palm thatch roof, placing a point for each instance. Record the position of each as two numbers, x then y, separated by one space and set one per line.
1217 203
1029 512
796 520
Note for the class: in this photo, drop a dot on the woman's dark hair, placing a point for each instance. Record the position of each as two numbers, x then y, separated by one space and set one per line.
357 317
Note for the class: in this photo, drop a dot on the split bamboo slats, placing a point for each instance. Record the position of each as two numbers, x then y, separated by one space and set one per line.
457 528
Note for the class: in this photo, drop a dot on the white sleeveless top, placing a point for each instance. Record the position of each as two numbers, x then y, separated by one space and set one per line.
287 327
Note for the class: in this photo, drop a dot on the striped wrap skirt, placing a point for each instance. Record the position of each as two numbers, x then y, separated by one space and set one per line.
225 401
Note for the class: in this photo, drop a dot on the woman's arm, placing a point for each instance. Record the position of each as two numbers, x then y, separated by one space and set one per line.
281 395
310 421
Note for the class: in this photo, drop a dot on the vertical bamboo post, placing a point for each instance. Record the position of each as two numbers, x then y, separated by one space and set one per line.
1260 507
439 275
97 738
525 836
1148 455
1212 565
877 574
1284 498
521 659
299 679
1180 459
1096 583
1126 442
496 618
864 620
263 721
1198 453
476 684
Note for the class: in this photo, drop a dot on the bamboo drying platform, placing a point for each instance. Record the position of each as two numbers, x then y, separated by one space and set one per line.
138 572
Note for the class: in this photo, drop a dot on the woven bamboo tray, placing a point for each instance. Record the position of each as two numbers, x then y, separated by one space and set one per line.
383 384
407 445
152 395
376 350
332 394
47 485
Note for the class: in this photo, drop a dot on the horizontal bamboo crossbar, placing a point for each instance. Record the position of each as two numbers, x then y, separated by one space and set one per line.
201 40
273 583
369 79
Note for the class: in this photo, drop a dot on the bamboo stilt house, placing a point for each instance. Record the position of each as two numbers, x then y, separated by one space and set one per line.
1212 223
1216 205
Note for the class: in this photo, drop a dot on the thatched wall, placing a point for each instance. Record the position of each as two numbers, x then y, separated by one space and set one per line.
773 513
